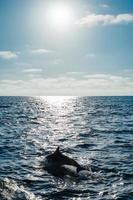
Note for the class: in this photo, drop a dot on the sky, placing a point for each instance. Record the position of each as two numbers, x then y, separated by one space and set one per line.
66 47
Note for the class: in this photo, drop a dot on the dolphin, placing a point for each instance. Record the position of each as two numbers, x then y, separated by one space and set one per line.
56 161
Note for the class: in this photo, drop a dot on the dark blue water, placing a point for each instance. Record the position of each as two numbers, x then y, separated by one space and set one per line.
96 131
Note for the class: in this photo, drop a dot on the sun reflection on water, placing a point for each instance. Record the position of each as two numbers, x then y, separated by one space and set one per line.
58 101
59 118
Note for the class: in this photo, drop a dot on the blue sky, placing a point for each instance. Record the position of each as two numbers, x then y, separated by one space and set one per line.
90 55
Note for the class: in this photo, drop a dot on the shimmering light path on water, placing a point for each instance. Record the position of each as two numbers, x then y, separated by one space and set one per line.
96 131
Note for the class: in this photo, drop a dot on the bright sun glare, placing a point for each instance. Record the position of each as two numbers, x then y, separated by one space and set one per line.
59 16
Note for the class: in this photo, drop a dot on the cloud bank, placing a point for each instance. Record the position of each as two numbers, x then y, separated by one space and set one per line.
97 19
70 84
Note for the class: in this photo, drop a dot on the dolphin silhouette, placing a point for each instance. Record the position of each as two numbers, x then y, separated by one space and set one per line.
57 160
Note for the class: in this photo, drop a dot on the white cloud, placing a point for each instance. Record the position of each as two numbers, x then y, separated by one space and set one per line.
8 55
32 70
90 55
94 19
69 84
105 6
57 61
73 73
23 64
40 51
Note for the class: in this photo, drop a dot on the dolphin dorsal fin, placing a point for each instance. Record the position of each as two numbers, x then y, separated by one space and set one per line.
57 151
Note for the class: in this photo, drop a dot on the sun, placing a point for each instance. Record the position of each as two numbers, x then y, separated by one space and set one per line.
59 16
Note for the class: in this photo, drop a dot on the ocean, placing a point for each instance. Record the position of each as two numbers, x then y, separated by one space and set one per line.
95 131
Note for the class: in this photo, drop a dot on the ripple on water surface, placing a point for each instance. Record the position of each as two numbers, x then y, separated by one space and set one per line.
96 131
